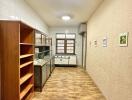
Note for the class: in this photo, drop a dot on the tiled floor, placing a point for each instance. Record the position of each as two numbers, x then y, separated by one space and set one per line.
69 83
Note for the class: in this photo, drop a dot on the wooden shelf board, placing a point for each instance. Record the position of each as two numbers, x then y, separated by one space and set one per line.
25 91
30 44
30 95
26 64
25 78
26 55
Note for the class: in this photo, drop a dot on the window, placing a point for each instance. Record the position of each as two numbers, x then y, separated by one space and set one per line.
65 43
60 45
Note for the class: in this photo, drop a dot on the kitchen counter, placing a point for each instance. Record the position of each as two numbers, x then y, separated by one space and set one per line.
42 71
40 62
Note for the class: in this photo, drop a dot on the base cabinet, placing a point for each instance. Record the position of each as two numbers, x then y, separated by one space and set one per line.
40 77
42 73
68 60
72 60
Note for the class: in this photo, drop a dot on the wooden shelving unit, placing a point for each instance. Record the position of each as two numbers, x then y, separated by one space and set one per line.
25 78
25 91
17 53
26 44
26 69
25 55
26 64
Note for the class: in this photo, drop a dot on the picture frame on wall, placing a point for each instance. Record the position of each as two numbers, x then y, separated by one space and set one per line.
123 39
95 43
104 42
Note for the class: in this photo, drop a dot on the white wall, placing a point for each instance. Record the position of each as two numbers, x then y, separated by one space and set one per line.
72 29
84 50
21 11
111 67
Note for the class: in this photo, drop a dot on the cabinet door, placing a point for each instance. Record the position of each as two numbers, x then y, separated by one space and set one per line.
47 70
37 76
43 75
64 61
72 60
58 60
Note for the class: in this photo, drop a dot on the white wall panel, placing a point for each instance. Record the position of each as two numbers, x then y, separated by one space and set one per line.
20 10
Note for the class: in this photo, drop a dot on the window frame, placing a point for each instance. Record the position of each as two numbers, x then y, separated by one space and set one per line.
65 44
60 46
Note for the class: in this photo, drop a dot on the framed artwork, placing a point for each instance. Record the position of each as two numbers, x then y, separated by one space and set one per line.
95 43
104 42
123 39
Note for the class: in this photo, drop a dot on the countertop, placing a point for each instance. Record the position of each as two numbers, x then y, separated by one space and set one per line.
41 62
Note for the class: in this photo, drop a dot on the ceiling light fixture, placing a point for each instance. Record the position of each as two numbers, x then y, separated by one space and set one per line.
65 18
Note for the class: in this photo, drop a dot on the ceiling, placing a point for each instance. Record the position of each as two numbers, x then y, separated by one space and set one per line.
52 10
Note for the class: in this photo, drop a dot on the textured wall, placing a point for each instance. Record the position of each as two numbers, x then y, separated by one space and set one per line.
72 29
111 67
18 9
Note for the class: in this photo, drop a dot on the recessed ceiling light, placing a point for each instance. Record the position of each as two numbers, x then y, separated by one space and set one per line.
66 18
